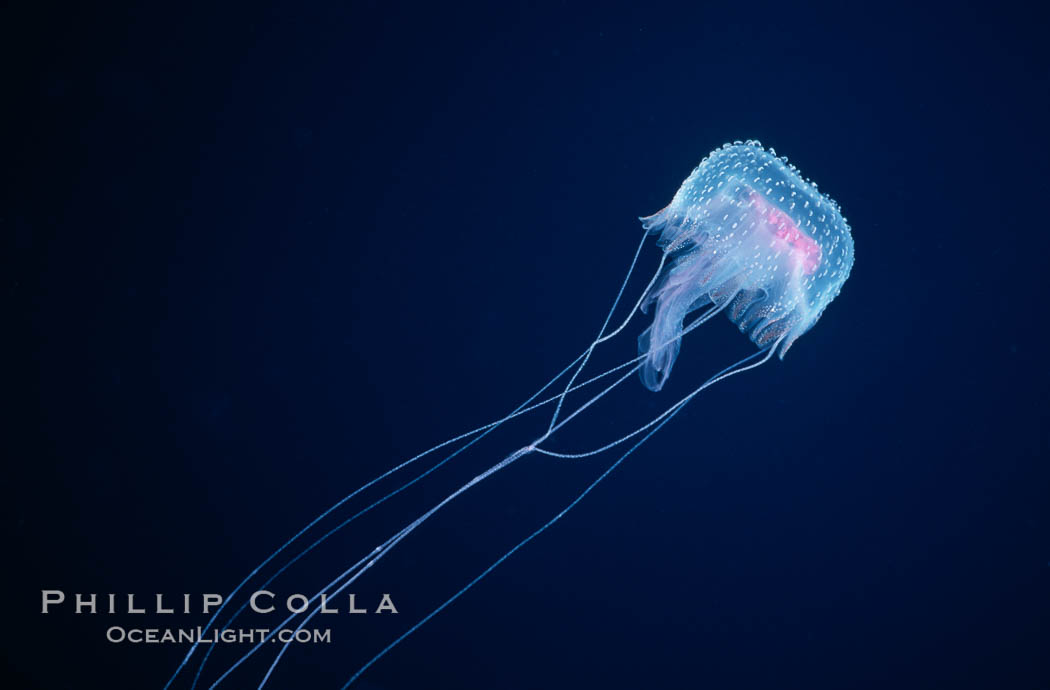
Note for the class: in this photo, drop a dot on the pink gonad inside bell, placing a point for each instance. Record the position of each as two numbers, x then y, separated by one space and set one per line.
787 237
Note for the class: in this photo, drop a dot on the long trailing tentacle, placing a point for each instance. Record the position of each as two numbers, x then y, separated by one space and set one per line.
483 431
666 417
348 576
707 316
354 572
345 523
351 574
389 544
363 565
700 320
668 412
601 333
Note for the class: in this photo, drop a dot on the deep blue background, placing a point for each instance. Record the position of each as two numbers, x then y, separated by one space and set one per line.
257 255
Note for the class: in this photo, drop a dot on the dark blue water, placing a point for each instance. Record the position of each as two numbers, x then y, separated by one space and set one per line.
256 256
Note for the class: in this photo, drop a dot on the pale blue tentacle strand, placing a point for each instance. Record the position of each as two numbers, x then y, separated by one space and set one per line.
731 371
707 316
637 305
608 317
522 409
391 494
485 430
704 317
353 572
390 543
363 565
671 410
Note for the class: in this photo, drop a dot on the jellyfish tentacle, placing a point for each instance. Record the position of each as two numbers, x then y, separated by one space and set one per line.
419 477
669 411
484 430
726 373
379 552
608 317
338 504
707 316
350 575
288 619
360 567
637 305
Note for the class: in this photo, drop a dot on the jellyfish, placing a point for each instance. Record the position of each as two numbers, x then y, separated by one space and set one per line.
746 234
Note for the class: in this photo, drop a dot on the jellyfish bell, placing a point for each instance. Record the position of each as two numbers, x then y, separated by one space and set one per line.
747 233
